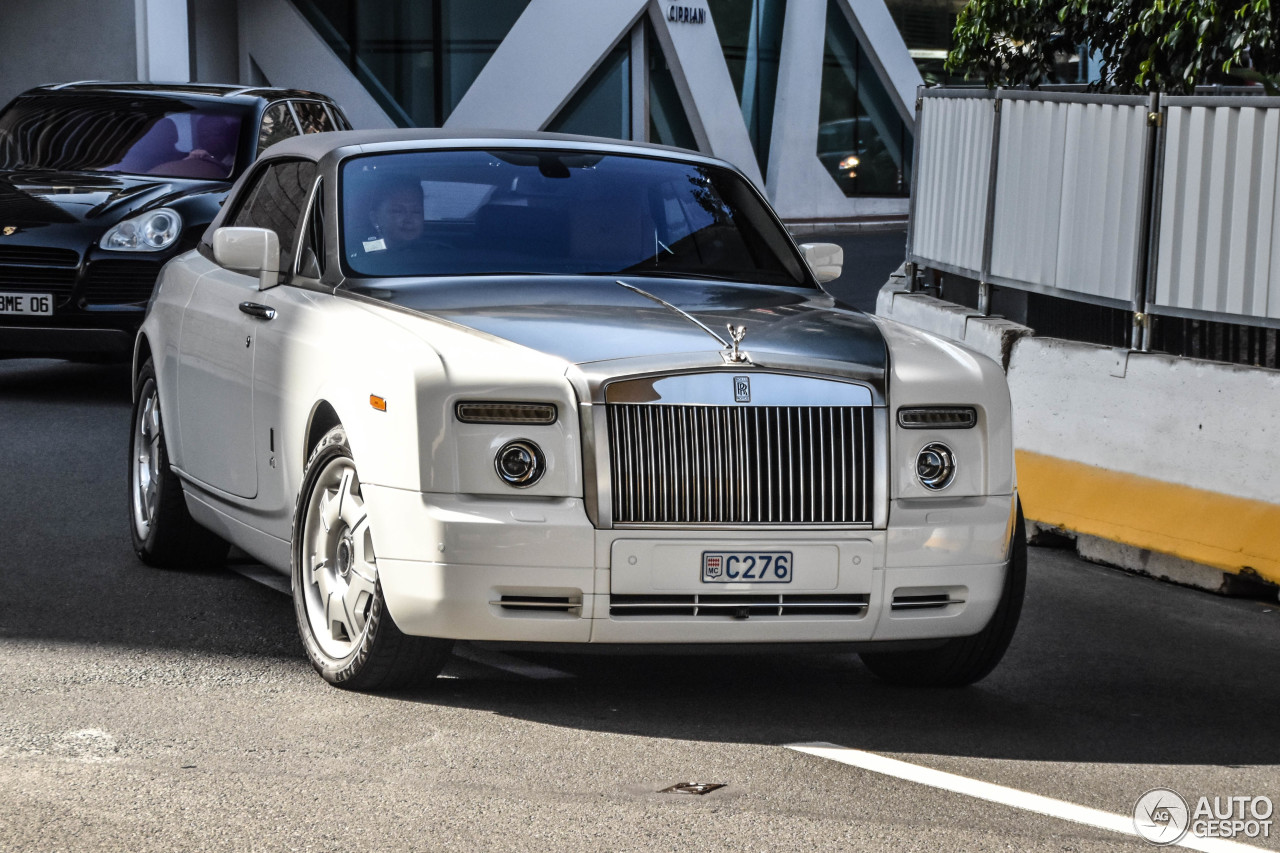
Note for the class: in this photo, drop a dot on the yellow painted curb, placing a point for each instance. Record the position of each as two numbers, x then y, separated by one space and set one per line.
1205 527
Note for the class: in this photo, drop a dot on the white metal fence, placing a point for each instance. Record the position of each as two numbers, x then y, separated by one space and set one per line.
949 209
1159 205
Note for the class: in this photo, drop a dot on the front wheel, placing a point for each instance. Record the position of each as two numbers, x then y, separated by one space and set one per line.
964 660
349 636
164 534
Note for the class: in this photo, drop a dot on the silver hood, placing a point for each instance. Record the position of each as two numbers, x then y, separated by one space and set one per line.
586 319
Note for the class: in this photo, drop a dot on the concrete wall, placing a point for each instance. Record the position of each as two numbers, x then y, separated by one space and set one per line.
163 38
1159 464
60 40
215 41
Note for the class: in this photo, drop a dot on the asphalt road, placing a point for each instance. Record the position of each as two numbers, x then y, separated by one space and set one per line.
149 710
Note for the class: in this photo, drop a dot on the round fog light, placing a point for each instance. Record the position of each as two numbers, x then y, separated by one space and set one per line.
936 466
520 463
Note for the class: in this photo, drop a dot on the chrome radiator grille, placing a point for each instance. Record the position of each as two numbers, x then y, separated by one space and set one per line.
741 464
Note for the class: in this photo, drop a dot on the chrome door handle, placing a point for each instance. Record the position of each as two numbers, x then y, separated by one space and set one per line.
262 312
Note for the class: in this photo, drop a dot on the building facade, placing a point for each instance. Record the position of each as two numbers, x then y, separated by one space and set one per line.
812 99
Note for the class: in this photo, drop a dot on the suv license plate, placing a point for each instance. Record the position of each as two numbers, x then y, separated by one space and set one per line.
26 303
746 567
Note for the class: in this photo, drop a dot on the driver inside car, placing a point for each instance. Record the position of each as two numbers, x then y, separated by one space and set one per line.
395 217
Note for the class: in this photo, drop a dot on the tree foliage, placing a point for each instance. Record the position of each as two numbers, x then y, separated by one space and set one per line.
1145 45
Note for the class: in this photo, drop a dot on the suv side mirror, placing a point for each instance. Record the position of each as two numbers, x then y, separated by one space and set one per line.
255 251
825 259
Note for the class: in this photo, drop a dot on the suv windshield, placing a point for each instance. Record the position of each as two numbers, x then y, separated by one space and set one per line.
145 136
531 211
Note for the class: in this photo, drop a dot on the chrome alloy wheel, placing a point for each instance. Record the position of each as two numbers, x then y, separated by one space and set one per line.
339 570
145 493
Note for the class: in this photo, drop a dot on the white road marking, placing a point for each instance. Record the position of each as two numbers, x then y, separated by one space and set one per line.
507 663
1000 794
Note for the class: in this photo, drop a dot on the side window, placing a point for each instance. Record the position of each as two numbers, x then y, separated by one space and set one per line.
339 117
276 200
277 124
311 259
312 116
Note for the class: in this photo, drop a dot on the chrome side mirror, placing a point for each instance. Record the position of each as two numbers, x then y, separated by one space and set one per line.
825 259
255 251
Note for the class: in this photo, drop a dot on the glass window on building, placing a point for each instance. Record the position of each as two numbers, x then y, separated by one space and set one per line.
602 105
605 104
668 121
926 27
417 59
862 140
750 33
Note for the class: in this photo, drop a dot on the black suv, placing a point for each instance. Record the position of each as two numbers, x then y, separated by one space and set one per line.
101 183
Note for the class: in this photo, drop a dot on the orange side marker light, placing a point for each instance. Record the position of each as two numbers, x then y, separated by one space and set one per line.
377 402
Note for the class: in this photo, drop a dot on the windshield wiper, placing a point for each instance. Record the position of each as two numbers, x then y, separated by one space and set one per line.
678 274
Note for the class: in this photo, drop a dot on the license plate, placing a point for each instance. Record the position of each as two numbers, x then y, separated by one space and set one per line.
26 303
746 567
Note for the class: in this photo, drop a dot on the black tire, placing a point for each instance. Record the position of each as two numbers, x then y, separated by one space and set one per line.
381 656
164 534
964 660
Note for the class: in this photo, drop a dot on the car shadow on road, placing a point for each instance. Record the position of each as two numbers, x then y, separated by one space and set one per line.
48 381
1103 676
68 571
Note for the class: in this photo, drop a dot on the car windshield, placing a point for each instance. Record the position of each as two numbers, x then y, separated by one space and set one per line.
533 211
138 135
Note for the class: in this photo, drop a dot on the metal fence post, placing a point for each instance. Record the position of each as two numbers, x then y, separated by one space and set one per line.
1149 237
911 202
988 228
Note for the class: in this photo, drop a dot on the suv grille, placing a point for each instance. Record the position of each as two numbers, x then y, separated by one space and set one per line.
37 269
741 464
40 256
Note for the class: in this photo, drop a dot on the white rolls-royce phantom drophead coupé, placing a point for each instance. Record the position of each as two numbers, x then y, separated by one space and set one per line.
551 389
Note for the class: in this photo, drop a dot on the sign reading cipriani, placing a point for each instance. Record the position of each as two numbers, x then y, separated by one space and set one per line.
686 15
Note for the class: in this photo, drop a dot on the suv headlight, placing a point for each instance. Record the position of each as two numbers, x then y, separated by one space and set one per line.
152 231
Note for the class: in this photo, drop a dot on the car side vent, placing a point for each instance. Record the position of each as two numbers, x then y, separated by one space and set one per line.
930 601
540 604
738 606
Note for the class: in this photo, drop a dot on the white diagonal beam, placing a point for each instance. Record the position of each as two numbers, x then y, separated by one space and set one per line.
553 47
697 60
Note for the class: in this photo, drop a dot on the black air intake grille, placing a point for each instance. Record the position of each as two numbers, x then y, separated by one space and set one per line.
739 606
121 282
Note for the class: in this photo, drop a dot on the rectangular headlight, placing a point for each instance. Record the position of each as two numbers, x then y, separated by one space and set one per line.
505 413
937 417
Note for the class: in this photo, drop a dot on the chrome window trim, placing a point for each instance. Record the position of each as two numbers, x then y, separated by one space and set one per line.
304 226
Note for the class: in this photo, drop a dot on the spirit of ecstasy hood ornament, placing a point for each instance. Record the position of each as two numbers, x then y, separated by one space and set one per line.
736 333
731 354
